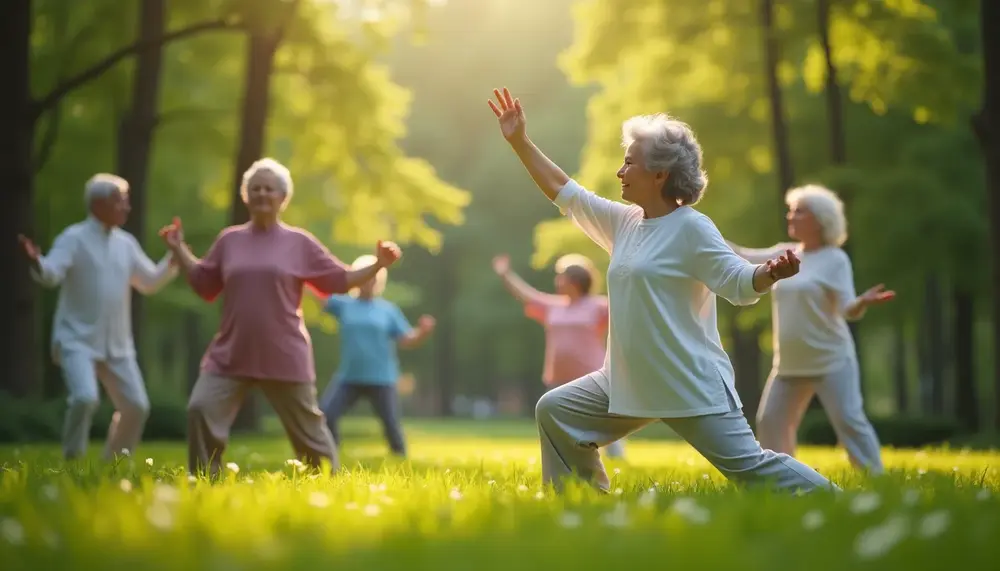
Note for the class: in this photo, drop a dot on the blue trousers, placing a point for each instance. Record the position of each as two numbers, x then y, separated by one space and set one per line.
384 402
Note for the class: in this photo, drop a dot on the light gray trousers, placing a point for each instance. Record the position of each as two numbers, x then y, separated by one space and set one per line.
124 384
573 422
785 400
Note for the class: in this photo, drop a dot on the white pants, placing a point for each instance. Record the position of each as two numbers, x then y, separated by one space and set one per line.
785 400
124 384
573 422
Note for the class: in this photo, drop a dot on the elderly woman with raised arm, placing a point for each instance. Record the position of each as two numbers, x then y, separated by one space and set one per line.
260 270
814 352
574 318
665 358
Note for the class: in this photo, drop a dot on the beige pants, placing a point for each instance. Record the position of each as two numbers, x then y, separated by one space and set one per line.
785 400
124 385
215 400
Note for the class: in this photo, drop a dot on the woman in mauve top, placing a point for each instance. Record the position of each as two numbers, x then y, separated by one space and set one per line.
260 270
575 321
814 351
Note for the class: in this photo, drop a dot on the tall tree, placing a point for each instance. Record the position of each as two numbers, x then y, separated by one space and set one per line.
987 127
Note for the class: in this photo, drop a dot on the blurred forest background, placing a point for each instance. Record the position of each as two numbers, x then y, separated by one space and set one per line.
379 108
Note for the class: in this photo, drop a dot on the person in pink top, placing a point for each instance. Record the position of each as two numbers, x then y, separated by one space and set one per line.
260 270
575 321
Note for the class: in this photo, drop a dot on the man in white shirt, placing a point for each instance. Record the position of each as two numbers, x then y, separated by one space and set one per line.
96 263
665 359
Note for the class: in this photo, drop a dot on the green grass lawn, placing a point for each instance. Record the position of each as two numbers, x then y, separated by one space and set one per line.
470 498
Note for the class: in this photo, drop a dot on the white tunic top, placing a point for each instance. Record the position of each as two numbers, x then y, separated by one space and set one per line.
665 358
811 336
96 269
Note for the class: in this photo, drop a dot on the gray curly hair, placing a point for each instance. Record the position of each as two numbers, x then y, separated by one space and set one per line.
669 145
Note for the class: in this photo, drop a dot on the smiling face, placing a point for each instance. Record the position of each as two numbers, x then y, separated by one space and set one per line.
639 185
265 194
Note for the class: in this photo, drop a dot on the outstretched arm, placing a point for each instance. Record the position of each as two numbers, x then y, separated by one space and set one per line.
147 277
520 289
760 255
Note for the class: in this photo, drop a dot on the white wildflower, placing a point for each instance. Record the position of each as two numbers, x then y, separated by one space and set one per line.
570 520
233 467
813 520
372 510
933 524
149 462
691 511
865 503
319 500
879 540
12 531
125 485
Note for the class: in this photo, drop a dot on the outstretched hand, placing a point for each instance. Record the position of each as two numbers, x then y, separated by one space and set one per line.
509 114
426 323
501 264
387 253
877 294
783 267
30 249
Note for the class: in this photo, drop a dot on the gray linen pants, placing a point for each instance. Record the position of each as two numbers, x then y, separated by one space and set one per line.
573 422
785 400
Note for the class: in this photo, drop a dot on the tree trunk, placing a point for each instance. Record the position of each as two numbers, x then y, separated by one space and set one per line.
747 354
444 333
135 133
933 351
253 126
21 352
987 127
966 407
900 374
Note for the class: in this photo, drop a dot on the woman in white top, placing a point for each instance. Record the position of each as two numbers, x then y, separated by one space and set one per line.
814 352
665 359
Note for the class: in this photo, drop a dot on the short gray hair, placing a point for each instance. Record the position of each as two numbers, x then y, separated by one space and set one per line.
277 169
669 145
826 207
103 185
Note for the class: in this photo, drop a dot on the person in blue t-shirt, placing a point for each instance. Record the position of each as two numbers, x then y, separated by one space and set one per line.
370 329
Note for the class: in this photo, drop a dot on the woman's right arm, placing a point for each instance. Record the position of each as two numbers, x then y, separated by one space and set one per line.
598 217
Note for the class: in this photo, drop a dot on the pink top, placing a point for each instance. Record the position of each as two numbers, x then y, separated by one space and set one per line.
575 335
260 274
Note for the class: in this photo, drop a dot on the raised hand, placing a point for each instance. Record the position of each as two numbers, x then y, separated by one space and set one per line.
877 294
30 249
509 114
387 253
783 267
426 323
173 234
501 264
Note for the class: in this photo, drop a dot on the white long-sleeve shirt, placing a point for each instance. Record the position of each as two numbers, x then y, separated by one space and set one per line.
809 311
665 358
97 268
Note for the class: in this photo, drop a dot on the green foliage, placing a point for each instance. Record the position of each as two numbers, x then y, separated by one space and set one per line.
41 421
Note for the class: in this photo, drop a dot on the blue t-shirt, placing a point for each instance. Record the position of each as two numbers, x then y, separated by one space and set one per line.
369 330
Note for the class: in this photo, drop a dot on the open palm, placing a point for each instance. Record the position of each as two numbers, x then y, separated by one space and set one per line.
509 114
